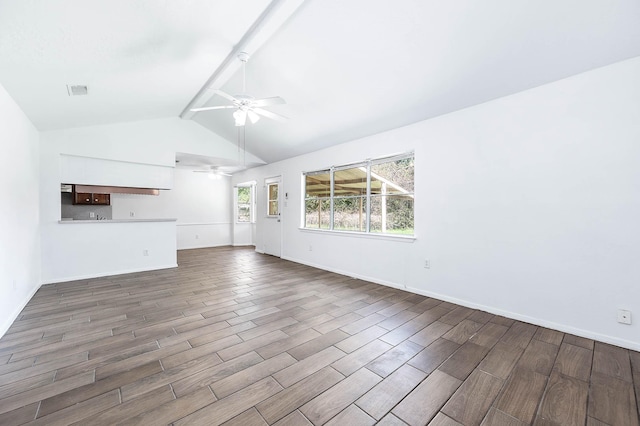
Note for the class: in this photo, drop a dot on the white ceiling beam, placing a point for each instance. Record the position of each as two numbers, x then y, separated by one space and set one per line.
269 21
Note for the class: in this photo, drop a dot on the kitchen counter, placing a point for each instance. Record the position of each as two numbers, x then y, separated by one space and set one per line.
115 221
97 248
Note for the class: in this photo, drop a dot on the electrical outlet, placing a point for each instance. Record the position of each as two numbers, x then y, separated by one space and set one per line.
92 214
145 252
310 247
131 214
624 317
427 263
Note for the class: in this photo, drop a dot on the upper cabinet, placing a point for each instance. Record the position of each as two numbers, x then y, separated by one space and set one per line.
97 171
89 198
102 199
81 198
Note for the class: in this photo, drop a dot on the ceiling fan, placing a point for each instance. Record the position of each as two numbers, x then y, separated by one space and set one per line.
213 172
246 105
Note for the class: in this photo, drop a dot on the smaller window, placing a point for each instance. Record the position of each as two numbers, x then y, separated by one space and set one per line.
272 199
244 201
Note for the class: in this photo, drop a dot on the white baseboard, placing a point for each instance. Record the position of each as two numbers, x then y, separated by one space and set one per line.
108 274
199 246
532 320
348 274
4 327
496 311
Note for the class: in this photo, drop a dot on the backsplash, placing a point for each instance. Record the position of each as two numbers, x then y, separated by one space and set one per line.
81 212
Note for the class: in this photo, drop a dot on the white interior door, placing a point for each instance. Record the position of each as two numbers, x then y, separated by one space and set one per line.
272 223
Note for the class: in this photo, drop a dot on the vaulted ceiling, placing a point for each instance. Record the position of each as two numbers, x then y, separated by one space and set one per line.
347 69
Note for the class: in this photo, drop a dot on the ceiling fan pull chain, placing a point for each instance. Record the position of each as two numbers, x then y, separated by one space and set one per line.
244 77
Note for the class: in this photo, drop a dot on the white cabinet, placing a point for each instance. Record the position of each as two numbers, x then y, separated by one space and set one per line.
97 171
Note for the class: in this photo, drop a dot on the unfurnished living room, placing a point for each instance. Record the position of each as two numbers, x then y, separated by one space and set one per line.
308 212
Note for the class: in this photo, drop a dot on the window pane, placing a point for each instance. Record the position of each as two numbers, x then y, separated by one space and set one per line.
317 213
349 213
273 208
392 214
273 191
318 184
393 177
244 194
244 213
351 181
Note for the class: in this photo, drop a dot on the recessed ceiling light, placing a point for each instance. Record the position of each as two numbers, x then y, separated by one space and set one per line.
77 90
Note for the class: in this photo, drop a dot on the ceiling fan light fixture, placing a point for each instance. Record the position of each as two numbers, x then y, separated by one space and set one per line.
240 117
246 105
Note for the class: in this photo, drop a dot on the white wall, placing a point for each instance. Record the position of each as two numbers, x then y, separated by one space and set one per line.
526 206
243 234
19 237
81 250
148 142
202 207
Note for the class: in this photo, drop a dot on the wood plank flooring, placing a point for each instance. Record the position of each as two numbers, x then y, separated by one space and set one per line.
237 338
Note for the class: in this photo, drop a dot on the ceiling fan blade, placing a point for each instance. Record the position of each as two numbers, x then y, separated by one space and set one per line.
276 100
269 114
210 108
212 171
253 116
225 95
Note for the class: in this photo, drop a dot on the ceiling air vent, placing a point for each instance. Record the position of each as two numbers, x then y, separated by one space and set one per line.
77 90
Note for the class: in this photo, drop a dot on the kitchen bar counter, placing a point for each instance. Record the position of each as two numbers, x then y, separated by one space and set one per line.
83 249
115 221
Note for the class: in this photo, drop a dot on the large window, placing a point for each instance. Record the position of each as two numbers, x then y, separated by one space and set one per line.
374 196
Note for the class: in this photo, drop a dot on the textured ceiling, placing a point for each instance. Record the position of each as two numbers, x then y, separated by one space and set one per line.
141 59
347 69
351 69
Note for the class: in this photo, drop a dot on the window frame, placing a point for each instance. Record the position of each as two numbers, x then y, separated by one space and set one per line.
367 197
268 182
252 202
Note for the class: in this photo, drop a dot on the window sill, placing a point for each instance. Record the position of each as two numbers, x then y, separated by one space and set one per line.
392 237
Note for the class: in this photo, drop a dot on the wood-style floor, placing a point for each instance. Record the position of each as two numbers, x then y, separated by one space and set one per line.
234 337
